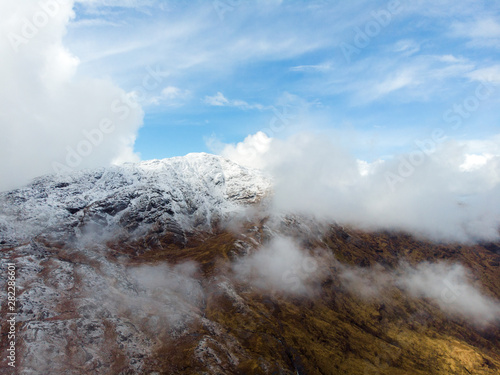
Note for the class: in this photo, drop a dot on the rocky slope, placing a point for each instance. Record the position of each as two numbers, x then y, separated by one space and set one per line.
177 195
176 267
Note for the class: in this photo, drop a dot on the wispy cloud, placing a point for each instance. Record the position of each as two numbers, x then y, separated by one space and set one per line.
283 266
118 3
312 68
219 100
450 286
407 47
418 79
488 75
403 78
482 32
170 96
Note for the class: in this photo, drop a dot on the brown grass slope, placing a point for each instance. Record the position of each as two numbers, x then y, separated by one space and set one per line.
334 332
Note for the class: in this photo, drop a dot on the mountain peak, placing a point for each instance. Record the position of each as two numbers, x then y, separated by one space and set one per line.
186 192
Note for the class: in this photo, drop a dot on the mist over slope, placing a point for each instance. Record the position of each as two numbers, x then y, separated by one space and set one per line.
447 191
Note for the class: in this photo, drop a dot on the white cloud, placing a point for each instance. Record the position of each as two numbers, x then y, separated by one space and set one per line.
367 283
157 298
366 169
281 266
172 92
215 48
397 81
94 23
384 66
49 118
118 3
312 68
451 59
437 195
483 146
249 153
219 100
170 96
487 75
401 78
162 280
449 286
480 28
407 47
482 32
474 161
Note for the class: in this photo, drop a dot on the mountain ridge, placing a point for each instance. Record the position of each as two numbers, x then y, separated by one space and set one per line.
187 190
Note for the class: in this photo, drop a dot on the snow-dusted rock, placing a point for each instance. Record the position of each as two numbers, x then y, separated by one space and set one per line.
78 311
177 195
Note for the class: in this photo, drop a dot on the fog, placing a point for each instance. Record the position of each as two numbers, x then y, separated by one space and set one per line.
282 266
447 193
449 286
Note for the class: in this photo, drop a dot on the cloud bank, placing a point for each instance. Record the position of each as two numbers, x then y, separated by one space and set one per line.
51 120
446 191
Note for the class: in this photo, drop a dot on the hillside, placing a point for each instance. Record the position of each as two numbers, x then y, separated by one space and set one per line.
180 266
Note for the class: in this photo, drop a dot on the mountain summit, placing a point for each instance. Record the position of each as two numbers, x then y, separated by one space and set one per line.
180 194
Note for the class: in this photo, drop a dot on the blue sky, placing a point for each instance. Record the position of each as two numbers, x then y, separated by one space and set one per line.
228 67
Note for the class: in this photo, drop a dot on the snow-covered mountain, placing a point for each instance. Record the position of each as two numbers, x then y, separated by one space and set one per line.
70 294
180 194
